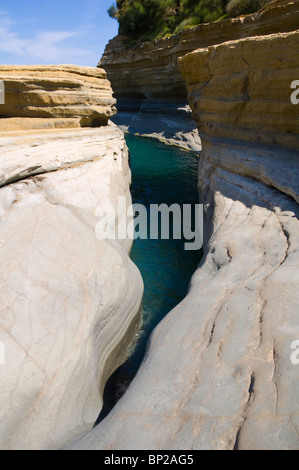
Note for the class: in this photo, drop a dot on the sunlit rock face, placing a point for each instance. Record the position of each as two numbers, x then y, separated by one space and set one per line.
81 94
221 370
147 81
151 70
70 298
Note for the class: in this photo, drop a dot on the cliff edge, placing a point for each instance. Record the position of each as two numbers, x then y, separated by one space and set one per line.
221 370
146 78
70 299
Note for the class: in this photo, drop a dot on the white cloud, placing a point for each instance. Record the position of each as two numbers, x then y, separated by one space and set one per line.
42 46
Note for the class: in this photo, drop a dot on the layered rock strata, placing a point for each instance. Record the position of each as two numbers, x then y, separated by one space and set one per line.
242 89
151 70
147 81
221 370
70 298
82 95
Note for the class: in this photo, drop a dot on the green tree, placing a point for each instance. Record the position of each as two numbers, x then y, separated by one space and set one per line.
112 11
149 19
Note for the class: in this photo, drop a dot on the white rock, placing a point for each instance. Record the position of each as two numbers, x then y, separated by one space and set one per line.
69 301
218 372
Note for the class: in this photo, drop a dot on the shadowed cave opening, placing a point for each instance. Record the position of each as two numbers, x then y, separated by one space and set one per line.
160 174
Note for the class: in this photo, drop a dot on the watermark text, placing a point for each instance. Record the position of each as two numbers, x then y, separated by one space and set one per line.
158 221
295 354
295 94
2 92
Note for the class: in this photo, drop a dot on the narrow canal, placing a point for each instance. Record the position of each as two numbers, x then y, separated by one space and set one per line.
160 175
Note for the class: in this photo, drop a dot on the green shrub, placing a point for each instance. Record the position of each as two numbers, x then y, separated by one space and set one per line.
244 7
187 23
141 20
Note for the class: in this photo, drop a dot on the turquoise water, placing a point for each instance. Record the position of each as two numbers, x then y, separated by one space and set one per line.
160 174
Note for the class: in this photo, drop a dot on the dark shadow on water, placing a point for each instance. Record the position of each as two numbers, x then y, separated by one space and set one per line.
160 174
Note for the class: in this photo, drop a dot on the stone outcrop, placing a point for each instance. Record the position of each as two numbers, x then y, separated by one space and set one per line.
151 70
242 89
221 370
70 299
170 123
218 373
82 95
147 82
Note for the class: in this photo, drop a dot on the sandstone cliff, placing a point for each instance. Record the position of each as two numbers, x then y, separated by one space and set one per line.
69 299
219 373
151 70
147 82
242 89
82 95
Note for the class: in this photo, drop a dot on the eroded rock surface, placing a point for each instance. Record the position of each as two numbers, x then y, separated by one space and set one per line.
150 89
69 300
242 89
151 70
82 95
219 372
172 125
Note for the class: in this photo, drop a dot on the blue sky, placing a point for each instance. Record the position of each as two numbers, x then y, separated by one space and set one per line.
54 31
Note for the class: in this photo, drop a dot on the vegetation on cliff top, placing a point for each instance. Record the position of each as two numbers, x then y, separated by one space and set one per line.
152 19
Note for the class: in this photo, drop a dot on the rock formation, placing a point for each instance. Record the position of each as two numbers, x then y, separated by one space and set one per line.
219 372
147 82
170 123
151 70
80 94
70 300
234 86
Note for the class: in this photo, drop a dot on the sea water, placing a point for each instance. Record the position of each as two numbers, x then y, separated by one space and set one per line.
161 174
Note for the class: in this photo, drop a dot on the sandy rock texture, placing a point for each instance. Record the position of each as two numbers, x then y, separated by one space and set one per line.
221 371
151 70
242 89
147 81
218 373
80 94
69 300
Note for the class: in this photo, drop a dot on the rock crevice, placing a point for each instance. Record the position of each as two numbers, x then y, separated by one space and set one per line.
218 373
70 298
